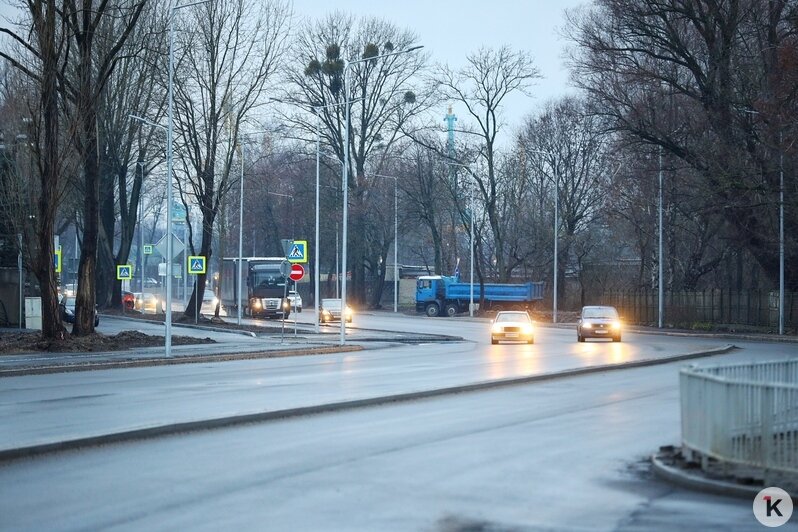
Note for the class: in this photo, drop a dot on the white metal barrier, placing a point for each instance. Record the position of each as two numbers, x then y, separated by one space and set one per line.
744 418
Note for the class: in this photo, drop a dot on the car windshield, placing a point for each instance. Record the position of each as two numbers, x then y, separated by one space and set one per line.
69 301
512 316
331 304
600 313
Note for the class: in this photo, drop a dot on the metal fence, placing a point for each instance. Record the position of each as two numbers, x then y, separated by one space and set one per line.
742 420
756 308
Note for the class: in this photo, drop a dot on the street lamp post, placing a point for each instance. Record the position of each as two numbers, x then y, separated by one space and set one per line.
170 178
316 109
169 172
781 233
395 239
556 232
470 243
345 183
141 233
660 266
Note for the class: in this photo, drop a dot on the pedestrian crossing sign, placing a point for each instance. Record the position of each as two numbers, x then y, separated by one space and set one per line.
298 251
124 272
196 264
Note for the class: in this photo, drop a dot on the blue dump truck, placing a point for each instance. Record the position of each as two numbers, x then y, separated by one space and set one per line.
439 294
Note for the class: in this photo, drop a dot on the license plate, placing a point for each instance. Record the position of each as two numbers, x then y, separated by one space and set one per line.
601 331
511 335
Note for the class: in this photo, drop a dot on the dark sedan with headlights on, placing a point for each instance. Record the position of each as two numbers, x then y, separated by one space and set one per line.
598 322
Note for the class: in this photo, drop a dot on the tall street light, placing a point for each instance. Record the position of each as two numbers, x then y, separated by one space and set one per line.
170 178
395 238
781 220
470 242
556 230
347 64
660 266
316 109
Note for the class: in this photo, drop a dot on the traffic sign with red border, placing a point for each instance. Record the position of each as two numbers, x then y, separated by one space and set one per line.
297 272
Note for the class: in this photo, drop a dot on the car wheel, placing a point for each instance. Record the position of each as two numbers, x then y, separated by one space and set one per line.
433 310
580 338
494 341
531 341
451 310
616 338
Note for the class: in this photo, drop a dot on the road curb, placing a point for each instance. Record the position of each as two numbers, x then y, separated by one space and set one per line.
178 359
186 325
227 421
686 480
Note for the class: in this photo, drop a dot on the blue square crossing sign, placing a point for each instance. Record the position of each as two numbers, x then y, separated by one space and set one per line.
196 264
297 252
124 272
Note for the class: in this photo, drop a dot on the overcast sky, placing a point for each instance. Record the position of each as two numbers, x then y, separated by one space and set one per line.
449 30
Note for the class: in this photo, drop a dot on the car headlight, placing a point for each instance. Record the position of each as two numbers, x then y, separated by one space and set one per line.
587 325
527 329
256 304
68 312
325 313
349 311
616 325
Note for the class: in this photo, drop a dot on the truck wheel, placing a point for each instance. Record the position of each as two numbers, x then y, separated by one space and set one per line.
433 310
451 310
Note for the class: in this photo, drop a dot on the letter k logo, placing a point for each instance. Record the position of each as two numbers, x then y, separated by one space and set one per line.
772 507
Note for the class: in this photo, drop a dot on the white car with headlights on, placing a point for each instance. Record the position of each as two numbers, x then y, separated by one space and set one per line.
512 325
598 322
331 311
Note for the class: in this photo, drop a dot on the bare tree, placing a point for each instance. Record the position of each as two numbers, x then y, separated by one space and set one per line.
567 145
43 59
129 150
383 103
91 70
482 86
228 60
713 84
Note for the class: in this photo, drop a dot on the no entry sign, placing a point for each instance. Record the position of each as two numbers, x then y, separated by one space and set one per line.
297 272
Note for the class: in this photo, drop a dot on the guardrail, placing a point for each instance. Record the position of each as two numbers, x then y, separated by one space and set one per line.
743 419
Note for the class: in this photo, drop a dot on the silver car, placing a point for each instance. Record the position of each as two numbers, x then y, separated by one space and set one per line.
598 322
296 300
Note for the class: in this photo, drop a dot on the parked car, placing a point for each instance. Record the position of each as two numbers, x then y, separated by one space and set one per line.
69 289
598 322
512 325
149 303
128 300
296 300
67 310
330 310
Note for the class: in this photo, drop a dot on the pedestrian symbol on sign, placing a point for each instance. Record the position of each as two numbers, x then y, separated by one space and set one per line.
196 264
298 251
124 272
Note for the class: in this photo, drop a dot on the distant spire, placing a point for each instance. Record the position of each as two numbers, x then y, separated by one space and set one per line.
450 120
